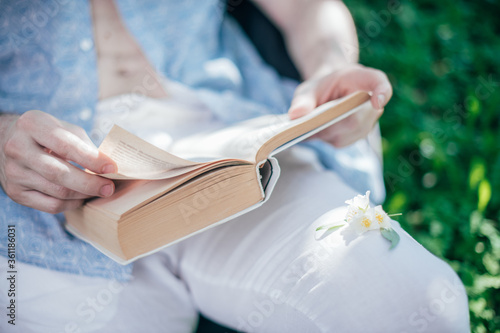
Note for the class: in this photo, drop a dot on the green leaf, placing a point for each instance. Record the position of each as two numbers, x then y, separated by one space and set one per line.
335 227
484 194
477 172
391 235
473 105
327 226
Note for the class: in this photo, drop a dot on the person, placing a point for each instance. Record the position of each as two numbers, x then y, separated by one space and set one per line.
77 62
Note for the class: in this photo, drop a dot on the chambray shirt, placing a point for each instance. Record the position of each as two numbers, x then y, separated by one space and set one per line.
48 62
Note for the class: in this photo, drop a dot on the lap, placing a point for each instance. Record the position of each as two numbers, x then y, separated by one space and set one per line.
155 300
265 271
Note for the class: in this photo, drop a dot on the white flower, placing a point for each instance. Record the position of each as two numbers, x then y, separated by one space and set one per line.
360 217
358 205
364 221
381 217
361 201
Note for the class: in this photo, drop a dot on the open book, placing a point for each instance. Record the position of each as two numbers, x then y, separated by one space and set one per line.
205 180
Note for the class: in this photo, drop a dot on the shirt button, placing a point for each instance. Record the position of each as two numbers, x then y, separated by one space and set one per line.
85 114
86 44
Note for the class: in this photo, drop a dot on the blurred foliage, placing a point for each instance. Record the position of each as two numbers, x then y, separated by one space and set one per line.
441 132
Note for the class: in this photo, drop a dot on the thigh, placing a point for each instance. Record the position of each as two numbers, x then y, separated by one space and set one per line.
155 300
51 301
265 271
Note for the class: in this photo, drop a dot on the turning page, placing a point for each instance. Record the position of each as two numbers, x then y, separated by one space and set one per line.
253 140
138 159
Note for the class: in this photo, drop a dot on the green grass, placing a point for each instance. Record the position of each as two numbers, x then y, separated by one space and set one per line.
441 132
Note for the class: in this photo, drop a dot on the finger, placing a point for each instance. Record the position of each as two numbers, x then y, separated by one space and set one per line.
57 171
343 137
79 132
64 174
381 95
337 133
46 203
70 147
31 180
377 82
53 134
303 102
339 139
23 179
352 128
367 79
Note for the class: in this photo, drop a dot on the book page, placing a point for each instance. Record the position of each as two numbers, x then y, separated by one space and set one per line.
247 142
254 139
240 141
130 194
138 159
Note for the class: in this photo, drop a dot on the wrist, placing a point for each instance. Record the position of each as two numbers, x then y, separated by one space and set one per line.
330 69
323 58
331 66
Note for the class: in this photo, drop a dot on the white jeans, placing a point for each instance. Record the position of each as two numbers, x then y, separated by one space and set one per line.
263 272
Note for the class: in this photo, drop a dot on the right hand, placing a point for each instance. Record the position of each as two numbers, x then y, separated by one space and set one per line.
35 151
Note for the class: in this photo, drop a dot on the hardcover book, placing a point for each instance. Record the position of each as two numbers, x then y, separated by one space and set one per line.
204 180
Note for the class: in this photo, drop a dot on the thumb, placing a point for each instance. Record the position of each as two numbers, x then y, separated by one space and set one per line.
302 104
381 96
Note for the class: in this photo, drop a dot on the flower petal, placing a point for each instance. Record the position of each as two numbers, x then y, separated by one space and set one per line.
383 220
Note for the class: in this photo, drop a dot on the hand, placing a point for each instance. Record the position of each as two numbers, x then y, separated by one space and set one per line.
35 151
342 82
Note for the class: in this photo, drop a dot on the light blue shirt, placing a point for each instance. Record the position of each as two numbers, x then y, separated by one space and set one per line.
48 62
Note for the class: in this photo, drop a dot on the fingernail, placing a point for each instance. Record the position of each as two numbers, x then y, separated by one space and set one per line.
106 190
381 101
108 168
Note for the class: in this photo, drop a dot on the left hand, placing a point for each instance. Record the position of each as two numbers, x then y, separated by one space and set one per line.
339 83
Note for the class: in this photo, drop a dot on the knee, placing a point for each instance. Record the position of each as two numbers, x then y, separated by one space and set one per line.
406 289
436 297
438 302
426 295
